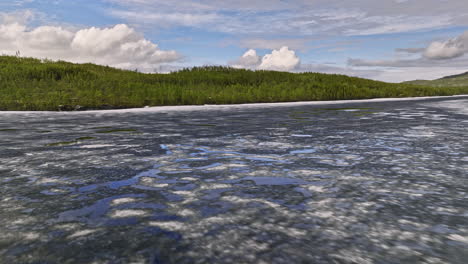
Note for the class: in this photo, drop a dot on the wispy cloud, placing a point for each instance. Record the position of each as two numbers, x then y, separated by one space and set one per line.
273 43
410 50
398 24
361 17
168 19
449 53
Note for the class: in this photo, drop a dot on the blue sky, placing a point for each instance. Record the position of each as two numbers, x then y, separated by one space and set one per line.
390 40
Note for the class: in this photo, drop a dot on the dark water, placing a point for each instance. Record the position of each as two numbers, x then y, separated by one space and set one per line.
379 182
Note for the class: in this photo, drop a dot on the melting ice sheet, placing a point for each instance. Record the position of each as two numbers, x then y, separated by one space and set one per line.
362 182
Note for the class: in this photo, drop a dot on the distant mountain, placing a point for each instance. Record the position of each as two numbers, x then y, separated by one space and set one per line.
452 81
462 75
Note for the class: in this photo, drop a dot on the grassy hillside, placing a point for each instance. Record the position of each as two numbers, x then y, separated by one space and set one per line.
458 80
31 84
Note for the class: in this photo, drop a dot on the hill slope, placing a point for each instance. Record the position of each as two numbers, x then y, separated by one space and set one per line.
448 81
31 84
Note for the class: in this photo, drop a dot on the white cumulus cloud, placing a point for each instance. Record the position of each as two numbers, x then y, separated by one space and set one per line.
282 59
250 59
119 46
449 49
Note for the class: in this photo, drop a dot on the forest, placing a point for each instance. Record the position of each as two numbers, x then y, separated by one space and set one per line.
33 84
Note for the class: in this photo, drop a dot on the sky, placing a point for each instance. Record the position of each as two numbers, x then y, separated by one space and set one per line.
388 40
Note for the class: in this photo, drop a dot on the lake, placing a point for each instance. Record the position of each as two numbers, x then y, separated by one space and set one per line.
359 182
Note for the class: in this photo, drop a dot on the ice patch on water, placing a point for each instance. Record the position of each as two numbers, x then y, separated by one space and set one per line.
459 238
301 135
46 180
323 214
82 233
189 179
123 200
215 186
317 189
186 212
169 225
128 213
31 236
67 227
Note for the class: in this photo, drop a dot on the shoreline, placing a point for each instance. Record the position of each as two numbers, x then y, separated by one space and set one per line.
173 108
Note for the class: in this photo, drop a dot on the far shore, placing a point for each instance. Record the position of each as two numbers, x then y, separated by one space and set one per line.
29 84
213 107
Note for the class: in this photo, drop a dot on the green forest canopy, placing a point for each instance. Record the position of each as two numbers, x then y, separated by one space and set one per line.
33 84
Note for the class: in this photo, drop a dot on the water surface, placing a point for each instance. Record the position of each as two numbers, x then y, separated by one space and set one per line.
377 182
